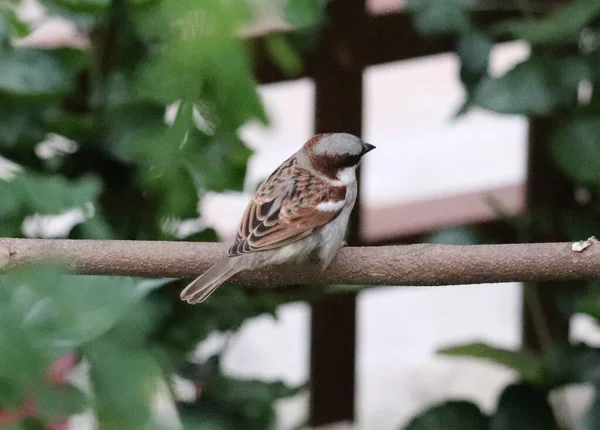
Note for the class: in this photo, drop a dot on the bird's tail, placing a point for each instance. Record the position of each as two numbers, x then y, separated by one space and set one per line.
206 284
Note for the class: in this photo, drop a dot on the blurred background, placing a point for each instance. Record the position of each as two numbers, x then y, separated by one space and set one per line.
157 119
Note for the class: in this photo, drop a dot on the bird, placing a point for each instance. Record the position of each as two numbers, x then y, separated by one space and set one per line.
299 212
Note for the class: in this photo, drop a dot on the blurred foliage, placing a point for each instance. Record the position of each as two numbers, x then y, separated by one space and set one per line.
558 83
86 130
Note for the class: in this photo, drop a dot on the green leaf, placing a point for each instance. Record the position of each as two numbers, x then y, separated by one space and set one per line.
95 227
87 6
53 194
537 86
523 407
11 395
123 382
183 157
19 121
124 124
559 27
590 303
29 423
84 13
569 363
250 401
36 74
10 25
62 312
576 149
473 51
304 13
530 366
29 192
284 54
204 371
450 415
199 45
206 416
244 391
55 402
435 17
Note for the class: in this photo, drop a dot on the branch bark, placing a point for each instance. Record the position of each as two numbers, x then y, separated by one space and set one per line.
422 264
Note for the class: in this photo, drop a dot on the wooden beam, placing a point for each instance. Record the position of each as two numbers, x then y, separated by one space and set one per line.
384 223
385 38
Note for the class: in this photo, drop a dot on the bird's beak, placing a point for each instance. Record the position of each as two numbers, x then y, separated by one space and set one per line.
367 147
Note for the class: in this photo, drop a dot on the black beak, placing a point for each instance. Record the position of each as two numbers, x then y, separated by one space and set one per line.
367 147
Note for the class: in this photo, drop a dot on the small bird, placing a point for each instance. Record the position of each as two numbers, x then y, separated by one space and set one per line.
300 211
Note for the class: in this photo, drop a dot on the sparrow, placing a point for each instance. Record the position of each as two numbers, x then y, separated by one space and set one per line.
300 211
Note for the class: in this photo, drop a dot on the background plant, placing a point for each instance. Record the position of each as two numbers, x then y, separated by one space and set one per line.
558 84
83 132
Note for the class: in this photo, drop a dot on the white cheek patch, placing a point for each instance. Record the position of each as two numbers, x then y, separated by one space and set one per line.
330 206
346 176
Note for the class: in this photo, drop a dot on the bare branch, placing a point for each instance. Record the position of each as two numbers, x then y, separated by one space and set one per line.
423 264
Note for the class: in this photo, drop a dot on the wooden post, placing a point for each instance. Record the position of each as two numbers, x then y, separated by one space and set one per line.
338 76
549 190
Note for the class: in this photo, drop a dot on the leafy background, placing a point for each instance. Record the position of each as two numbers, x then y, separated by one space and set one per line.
557 86
85 133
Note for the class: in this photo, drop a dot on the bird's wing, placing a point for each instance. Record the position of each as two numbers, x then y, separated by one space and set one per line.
288 206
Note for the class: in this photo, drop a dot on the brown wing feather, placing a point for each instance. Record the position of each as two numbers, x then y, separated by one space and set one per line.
283 210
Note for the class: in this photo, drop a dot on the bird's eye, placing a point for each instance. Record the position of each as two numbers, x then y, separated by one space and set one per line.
348 161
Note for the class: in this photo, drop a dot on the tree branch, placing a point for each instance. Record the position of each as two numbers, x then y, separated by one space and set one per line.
422 264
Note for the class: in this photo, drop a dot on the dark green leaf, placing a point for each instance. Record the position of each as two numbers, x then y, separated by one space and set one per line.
594 63
537 86
87 6
62 312
29 192
18 121
559 27
434 17
576 149
125 123
10 25
242 391
590 303
123 382
206 416
95 227
55 402
30 424
84 13
580 224
37 74
304 13
568 363
523 407
200 372
251 401
450 415
11 395
528 365
473 51
184 158
54 194
284 54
